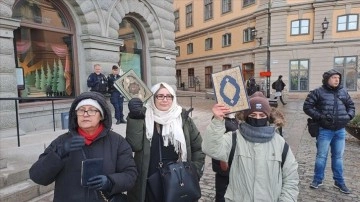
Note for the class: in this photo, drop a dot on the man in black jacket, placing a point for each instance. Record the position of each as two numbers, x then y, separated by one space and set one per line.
97 81
279 86
332 107
116 99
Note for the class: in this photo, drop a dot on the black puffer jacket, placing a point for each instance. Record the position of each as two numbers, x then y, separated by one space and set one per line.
119 165
331 107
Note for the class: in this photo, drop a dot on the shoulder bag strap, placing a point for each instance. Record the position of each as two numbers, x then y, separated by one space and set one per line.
284 153
231 156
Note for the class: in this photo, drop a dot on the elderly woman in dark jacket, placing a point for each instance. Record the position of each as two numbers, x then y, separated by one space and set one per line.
162 121
89 137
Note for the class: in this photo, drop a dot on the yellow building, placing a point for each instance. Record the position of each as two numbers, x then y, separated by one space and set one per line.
299 39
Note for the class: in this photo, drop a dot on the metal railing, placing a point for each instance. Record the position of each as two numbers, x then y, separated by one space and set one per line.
52 99
32 99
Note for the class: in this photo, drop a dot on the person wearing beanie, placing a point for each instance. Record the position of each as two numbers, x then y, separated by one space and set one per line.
279 86
89 139
331 106
116 99
263 167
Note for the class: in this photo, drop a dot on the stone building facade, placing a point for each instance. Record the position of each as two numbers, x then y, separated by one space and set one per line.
92 28
284 37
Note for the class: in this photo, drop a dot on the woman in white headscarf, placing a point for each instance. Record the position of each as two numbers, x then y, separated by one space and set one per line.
162 122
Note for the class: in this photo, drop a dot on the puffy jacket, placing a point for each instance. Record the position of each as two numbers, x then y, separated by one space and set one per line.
135 135
256 173
119 165
331 107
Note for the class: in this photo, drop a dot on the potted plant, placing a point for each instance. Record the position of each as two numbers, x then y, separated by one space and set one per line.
353 127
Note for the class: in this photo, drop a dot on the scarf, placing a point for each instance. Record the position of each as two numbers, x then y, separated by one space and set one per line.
90 138
172 132
257 134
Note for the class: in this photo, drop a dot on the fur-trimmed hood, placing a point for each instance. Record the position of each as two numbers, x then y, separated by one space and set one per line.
100 98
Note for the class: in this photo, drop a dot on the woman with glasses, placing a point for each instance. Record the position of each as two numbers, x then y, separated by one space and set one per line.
162 123
90 139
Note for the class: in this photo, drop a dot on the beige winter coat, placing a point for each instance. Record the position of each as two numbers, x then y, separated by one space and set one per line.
255 173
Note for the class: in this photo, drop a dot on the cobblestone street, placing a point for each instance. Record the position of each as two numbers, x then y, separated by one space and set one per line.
301 143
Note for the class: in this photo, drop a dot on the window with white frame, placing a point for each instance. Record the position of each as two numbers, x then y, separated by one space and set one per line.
189 15
191 77
348 67
226 6
299 75
208 9
177 21
177 48
347 22
248 36
248 2
190 48
299 27
226 39
208 43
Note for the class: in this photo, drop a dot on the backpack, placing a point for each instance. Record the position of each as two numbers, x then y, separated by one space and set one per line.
273 85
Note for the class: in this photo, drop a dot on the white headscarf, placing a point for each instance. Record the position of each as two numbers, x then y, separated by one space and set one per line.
172 132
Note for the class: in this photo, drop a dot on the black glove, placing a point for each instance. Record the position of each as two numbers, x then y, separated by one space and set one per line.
100 182
136 109
72 144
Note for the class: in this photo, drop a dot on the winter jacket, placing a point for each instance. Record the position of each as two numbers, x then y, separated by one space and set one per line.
279 85
97 83
331 107
135 135
256 173
118 164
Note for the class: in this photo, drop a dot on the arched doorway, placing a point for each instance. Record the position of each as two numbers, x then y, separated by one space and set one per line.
44 48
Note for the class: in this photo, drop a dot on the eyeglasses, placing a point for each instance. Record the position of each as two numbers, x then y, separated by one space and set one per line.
90 112
162 97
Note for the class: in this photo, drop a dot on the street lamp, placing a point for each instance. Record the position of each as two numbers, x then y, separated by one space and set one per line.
254 34
325 26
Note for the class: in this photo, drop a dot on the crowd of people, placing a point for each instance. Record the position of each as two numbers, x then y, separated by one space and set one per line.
251 159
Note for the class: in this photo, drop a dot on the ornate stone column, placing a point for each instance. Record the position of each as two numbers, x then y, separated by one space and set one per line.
8 84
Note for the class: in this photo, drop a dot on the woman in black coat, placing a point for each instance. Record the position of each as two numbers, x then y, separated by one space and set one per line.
89 137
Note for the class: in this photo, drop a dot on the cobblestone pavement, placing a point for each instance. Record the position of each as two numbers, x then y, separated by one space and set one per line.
302 145
304 149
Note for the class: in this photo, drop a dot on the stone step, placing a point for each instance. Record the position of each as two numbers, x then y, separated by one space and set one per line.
13 173
23 191
47 197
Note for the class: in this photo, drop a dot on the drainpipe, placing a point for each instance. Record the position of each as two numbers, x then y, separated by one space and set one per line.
268 51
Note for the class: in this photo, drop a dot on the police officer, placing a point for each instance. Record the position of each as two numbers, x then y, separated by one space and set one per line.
116 98
97 81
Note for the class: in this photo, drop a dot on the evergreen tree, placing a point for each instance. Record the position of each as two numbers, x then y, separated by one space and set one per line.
54 79
31 79
61 78
37 79
48 75
42 79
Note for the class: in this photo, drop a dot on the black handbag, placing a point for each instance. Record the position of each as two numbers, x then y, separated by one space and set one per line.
115 198
313 127
180 182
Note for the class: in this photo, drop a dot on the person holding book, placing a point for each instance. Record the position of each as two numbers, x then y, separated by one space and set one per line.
162 123
89 139
263 167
